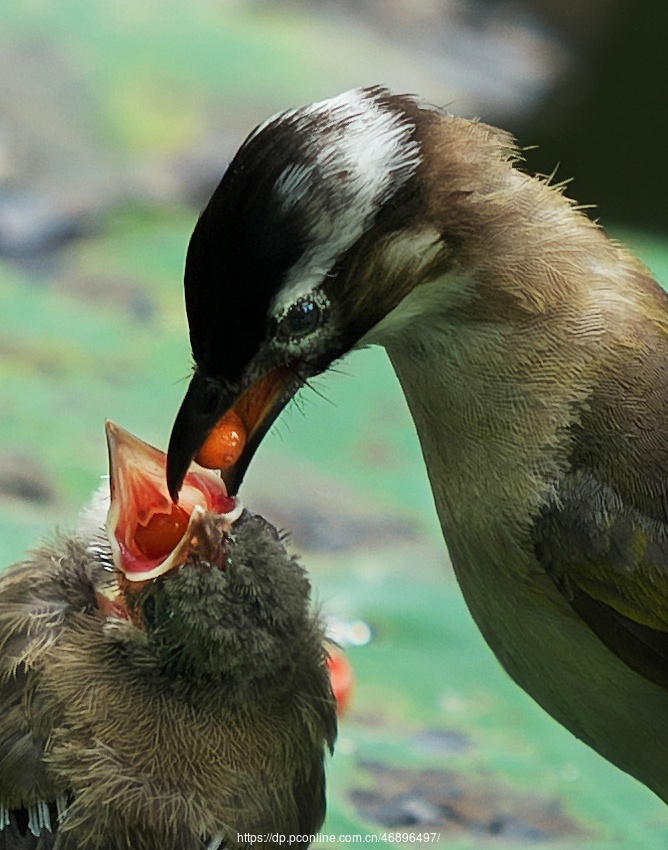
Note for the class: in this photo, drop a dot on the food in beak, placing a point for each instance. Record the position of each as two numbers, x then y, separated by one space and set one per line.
224 445
226 442
148 533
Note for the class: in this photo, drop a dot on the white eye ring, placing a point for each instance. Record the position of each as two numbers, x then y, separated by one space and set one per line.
302 319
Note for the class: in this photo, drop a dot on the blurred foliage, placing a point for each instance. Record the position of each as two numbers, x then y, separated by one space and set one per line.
97 330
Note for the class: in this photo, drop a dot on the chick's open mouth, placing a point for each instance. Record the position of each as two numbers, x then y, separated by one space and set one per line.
148 533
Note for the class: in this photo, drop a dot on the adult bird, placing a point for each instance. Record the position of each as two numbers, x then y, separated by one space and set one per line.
533 354
163 682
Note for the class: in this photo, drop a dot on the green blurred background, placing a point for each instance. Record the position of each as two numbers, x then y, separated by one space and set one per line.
117 119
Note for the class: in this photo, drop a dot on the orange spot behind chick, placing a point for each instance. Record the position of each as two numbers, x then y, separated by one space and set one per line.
224 445
342 678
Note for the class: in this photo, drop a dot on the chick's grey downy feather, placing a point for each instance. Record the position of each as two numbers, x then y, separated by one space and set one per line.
208 721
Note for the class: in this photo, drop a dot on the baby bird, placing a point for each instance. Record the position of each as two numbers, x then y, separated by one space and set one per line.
163 681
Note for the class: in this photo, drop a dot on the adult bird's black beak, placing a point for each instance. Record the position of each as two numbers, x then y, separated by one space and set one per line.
206 402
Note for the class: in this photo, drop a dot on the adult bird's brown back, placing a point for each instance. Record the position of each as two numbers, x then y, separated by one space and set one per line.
158 692
532 351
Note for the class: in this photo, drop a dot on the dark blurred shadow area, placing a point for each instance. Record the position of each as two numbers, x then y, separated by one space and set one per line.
605 124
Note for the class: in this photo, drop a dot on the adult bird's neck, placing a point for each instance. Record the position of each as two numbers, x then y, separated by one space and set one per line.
497 356
491 417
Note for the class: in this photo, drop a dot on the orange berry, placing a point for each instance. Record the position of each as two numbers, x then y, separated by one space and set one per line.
225 443
162 532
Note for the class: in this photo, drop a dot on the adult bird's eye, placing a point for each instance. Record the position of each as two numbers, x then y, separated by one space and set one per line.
303 317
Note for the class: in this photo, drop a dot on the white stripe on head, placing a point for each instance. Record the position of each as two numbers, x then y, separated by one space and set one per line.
294 183
357 154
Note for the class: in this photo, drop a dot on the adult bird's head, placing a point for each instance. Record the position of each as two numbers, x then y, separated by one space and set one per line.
319 228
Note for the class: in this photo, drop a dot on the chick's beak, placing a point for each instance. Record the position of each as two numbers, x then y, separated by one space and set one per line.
222 429
148 534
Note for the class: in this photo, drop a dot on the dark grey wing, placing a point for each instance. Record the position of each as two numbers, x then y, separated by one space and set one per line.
35 597
318 736
603 536
610 560
310 797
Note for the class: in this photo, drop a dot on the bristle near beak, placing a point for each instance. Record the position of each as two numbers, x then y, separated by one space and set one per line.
201 424
150 535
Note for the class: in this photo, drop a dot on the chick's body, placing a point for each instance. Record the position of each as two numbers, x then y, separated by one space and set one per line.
201 717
